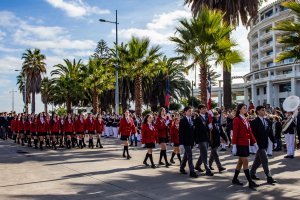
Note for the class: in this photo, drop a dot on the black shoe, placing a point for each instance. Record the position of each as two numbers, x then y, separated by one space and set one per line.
124 156
182 171
199 169
223 150
193 175
253 185
167 165
161 163
277 149
209 173
270 180
172 161
101 147
211 168
269 155
236 182
254 177
288 156
222 169
145 163
128 157
153 166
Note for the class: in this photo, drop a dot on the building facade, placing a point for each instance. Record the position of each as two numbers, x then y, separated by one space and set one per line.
270 82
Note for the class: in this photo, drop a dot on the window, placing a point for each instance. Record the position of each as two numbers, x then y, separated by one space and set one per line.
282 8
285 87
257 91
269 53
265 90
288 61
286 71
269 41
270 64
269 13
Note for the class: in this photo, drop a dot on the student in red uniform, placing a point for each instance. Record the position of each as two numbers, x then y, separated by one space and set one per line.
90 129
74 135
19 127
69 129
48 127
27 132
61 131
79 129
242 133
99 123
41 129
162 125
55 130
33 130
149 138
13 127
174 138
126 128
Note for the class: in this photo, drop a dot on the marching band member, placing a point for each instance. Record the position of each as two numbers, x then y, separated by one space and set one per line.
126 128
277 129
174 138
289 135
162 125
149 138
99 123
240 144
115 125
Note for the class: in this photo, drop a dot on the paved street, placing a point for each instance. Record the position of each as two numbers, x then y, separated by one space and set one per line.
103 174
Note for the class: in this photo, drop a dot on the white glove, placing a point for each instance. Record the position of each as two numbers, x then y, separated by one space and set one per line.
256 146
172 144
210 126
167 122
234 150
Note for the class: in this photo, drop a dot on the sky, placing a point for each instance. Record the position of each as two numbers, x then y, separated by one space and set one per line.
70 29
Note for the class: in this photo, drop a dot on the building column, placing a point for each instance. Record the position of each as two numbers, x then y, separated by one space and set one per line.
253 93
269 92
246 96
220 96
276 91
293 86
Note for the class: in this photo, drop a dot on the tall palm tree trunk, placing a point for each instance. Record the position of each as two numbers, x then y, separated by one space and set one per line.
69 105
33 102
46 107
95 102
203 84
227 88
138 95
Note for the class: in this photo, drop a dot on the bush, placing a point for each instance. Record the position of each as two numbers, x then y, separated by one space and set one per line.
193 101
175 106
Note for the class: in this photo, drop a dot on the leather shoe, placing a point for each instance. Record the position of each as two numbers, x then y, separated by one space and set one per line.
237 182
182 171
211 168
222 169
199 169
270 180
253 185
193 175
254 177
209 173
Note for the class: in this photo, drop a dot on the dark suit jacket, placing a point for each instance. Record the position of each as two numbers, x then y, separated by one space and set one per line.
201 130
298 123
186 132
261 134
4 122
278 130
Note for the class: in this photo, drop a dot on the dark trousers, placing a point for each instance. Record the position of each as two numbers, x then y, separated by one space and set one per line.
214 156
279 143
188 156
261 158
203 146
228 131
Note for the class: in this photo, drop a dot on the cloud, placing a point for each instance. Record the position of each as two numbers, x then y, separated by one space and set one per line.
77 8
9 63
159 29
2 35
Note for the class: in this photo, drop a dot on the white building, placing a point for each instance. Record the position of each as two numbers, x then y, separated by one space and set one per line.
269 82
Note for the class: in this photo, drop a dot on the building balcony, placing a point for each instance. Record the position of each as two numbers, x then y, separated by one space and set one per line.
254 52
266 36
267 58
267 47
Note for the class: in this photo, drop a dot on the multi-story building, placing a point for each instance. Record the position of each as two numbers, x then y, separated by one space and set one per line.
270 82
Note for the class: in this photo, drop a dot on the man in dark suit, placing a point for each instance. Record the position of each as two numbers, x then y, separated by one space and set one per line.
262 130
202 132
4 125
186 139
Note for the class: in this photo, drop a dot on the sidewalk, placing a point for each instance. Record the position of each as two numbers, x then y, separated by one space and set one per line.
91 174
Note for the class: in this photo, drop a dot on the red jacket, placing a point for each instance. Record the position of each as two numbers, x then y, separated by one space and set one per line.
161 127
26 126
90 125
242 134
55 126
174 134
13 125
33 127
79 126
148 135
19 125
48 125
99 126
68 127
62 125
41 127
126 128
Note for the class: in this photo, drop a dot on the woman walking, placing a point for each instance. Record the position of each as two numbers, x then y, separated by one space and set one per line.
240 144
174 138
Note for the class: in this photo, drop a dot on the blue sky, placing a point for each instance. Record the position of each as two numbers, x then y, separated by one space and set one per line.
70 29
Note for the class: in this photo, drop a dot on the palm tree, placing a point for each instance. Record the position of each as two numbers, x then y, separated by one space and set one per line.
46 88
21 83
98 77
200 39
139 59
33 67
234 10
291 37
68 81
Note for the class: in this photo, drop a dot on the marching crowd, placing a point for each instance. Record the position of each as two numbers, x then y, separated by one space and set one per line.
250 130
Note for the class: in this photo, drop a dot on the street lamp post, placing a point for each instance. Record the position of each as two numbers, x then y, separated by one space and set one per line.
116 64
25 90
12 100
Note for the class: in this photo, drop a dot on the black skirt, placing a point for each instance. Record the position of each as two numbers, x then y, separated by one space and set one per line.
124 137
242 151
162 140
42 133
150 145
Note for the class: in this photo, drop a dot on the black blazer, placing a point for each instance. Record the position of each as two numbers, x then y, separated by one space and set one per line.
4 122
186 132
278 130
260 133
201 130
298 123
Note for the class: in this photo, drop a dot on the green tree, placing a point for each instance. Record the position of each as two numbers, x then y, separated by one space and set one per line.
291 34
46 87
234 11
200 39
33 67
139 61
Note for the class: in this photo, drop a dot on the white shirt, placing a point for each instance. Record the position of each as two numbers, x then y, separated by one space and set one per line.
244 119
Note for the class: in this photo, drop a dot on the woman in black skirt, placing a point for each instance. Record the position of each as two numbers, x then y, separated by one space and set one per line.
149 138
240 144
